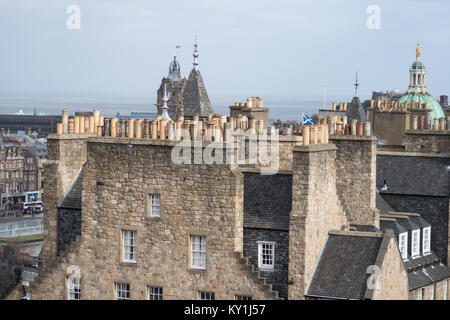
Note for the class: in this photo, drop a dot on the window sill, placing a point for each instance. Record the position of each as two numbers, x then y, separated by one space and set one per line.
128 264
265 269
194 270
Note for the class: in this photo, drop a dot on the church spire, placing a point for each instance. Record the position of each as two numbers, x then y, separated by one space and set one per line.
195 54
356 85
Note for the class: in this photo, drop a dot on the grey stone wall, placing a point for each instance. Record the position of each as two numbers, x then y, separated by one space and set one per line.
316 209
204 200
356 177
427 141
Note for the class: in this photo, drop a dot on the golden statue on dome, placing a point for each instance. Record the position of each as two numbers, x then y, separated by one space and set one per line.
418 51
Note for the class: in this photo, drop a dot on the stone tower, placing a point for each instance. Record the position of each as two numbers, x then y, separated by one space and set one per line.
195 98
174 85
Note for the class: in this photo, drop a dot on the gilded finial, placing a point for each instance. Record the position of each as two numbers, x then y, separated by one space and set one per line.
418 50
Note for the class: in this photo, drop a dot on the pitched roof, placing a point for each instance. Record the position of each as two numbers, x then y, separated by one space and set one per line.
414 175
426 270
356 110
195 98
394 225
72 199
381 204
342 269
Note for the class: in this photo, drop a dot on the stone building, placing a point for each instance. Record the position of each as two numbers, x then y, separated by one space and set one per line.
187 98
416 109
42 124
252 109
428 274
12 169
354 110
21 166
123 221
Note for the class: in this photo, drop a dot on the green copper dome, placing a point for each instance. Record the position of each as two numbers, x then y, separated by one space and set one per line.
418 65
424 98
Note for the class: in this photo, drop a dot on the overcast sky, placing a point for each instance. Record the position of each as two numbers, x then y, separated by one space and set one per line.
274 49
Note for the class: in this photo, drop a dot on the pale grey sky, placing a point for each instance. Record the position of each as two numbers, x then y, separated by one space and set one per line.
274 49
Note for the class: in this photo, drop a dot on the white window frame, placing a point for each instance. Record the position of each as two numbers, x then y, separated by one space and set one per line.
264 256
129 246
155 205
432 292
415 245
206 295
403 245
420 294
444 289
122 288
154 293
198 252
73 288
426 246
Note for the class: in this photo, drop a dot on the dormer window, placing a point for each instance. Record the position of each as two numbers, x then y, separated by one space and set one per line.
415 243
403 245
426 240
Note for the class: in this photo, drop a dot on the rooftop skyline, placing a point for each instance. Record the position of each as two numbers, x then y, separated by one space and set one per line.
277 50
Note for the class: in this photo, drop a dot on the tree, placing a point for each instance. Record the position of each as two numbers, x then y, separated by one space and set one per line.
10 274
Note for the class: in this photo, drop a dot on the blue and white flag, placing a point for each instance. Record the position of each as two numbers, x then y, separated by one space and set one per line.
177 46
306 120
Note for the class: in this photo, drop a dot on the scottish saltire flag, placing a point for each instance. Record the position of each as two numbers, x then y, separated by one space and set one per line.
306 120
177 46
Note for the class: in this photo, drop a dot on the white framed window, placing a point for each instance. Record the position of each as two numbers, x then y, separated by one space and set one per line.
129 248
426 234
198 252
432 291
204 295
444 289
122 291
239 297
403 245
155 205
266 255
155 293
415 243
420 294
74 288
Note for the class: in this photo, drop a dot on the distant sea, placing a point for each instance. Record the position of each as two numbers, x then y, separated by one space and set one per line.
279 109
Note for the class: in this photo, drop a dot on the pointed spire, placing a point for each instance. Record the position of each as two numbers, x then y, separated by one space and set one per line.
195 54
164 113
356 85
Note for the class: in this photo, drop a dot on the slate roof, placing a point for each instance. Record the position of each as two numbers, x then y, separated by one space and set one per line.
356 110
427 176
267 200
382 205
195 98
422 270
72 200
341 271
363 228
425 270
394 225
